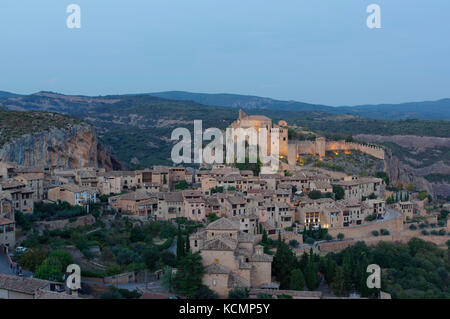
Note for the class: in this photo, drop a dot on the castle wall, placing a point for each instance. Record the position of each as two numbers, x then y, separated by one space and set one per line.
320 146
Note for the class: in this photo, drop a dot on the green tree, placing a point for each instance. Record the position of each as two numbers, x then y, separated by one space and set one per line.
264 239
137 235
311 276
315 194
49 270
238 293
180 246
187 244
297 280
330 266
151 256
283 263
338 284
410 187
304 260
64 257
205 293
32 259
168 279
339 192
189 279
182 185
340 236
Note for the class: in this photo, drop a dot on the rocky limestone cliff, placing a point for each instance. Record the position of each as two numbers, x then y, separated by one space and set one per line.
410 159
74 146
398 172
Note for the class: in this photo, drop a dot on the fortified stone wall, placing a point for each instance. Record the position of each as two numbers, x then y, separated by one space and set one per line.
320 146
399 237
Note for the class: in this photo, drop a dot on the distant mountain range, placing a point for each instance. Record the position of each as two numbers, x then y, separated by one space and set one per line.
49 101
427 110
138 127
4 94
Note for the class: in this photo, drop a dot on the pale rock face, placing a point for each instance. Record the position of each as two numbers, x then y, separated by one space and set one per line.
73 147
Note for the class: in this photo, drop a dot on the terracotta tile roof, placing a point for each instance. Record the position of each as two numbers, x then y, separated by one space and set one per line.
217 269
261 258
45 294
198 235
136 196
22 284
246 238
220 243
236 281
236 200
223 224
173 197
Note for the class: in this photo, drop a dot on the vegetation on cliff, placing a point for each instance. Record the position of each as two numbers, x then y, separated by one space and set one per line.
14 124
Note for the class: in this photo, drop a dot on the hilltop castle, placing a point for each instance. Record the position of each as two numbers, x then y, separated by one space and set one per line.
293 149
260 121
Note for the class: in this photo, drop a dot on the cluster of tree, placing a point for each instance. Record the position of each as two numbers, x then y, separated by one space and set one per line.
418 269
311 235
116 293
217 189
296 134
315 194
292 273
329 165
48 266
182 185
247 166
384 176
53 211
125 245
187 280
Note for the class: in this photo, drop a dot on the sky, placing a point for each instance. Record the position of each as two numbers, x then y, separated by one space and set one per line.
305 50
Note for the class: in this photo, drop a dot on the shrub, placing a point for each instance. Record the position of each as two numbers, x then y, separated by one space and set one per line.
238 293
423 225
442 232
328 237
340 236
425 233
413 227
293 243
375 233
262 295
384 232
434 232
309 241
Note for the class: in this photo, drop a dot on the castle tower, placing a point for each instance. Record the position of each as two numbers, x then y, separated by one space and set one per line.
321 146
242 115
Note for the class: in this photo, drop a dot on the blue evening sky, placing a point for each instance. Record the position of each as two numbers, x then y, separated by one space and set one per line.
317 51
